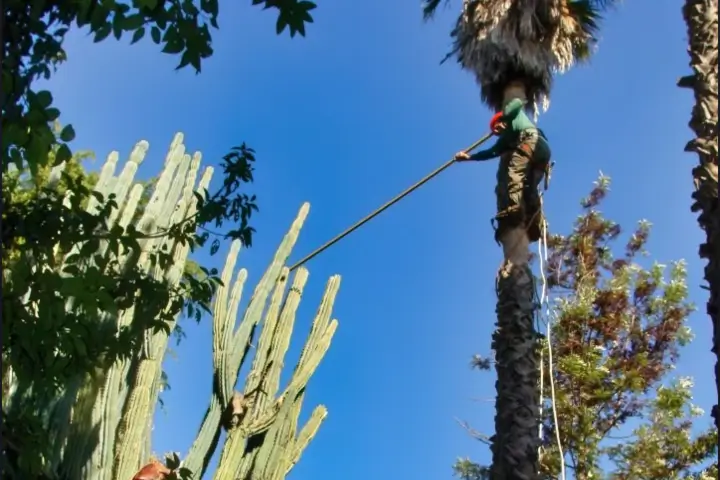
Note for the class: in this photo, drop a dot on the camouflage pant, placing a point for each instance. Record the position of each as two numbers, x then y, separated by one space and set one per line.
519 175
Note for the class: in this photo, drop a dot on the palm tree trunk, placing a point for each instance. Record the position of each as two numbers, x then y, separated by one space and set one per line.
701 17
517 416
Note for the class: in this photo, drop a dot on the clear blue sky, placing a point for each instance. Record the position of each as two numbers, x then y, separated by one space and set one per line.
345 119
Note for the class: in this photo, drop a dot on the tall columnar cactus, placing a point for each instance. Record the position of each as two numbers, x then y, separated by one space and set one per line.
100 426
261 426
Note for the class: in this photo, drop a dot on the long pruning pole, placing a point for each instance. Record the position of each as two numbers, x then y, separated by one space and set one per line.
385 206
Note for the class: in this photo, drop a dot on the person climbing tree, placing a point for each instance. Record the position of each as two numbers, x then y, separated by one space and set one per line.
524 154
514 49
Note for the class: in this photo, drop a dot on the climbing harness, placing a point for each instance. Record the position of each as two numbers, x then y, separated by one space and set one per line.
387 205
547 171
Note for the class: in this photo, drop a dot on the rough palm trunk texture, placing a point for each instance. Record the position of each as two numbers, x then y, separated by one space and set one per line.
701 17
515 443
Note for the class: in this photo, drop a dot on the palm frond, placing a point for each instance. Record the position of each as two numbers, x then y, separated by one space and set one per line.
530 40
500 41
587 15
429 7
604 5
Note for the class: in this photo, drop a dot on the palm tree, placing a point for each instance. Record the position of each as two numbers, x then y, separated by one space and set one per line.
701 17
502 41
514 48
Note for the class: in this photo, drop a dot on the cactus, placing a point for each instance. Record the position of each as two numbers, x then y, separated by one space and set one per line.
100 425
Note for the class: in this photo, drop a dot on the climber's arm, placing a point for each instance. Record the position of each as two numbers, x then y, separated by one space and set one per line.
511 110
490 153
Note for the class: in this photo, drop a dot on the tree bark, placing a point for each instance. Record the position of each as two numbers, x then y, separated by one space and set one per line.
701 17
517 413
515 443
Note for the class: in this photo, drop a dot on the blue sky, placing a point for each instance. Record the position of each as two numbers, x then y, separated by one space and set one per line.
345 119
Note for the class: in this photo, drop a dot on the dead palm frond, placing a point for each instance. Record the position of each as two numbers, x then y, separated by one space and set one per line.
529 40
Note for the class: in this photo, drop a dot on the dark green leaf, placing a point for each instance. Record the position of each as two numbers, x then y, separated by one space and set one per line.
214 247
44 99
174 47
172 461
149 4
117 26
138 35
52 114
281 23
155 34
102 33
67 134
133 22
306 5
63 154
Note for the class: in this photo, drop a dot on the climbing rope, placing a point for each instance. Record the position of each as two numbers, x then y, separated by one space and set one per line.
387 205
543 256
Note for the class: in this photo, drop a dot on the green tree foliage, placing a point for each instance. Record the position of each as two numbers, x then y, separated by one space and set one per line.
57 285
33 33
45 221
617 328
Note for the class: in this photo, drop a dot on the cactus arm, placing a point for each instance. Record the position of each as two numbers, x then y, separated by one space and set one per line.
260 365
141 401
231 455
308 432
281 335
126 177
186 173
106 173
229 458
206 441
259 298
223 324
263 460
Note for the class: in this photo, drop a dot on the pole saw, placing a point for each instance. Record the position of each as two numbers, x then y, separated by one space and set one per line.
385 206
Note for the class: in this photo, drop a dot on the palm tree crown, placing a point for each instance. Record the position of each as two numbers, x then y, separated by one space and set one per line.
504 40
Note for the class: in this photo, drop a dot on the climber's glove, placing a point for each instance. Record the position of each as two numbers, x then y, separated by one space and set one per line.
462 156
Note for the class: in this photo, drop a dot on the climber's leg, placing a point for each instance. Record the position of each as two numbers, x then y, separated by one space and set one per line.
511 180
536 173
519 175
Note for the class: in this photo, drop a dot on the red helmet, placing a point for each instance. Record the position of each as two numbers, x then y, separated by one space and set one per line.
494 121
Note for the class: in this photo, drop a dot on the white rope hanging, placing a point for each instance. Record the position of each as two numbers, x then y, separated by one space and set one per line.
544 303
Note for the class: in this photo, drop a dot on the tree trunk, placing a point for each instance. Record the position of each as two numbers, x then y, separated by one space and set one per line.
701 17
517 415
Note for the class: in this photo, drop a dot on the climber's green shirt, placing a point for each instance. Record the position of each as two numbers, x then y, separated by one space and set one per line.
516 120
